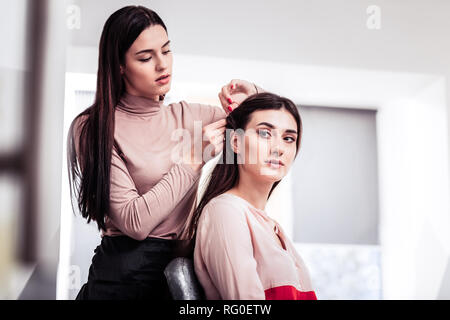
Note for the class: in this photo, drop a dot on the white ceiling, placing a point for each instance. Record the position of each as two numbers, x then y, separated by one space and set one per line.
413 35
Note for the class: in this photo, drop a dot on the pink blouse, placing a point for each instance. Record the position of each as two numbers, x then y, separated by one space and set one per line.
237 257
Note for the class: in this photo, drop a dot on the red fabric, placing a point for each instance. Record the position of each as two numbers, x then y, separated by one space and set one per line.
289 293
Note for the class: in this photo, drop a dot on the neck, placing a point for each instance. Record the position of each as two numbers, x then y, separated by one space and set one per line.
255 192
143 95
139 105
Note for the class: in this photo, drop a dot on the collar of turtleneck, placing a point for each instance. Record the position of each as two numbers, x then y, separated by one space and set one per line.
139 105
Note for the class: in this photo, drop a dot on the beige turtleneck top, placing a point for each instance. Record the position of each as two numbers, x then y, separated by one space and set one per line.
151 196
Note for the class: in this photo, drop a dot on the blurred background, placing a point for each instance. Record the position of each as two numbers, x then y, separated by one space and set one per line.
367 201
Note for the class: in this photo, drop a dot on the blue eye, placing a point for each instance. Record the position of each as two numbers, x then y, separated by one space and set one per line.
293 140
264 133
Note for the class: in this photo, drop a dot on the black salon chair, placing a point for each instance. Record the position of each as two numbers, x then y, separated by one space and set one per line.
182 281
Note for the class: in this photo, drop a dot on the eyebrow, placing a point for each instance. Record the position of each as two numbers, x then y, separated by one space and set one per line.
272 127
151 50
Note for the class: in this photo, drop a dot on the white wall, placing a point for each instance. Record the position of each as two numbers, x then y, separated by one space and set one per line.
335 177
414 193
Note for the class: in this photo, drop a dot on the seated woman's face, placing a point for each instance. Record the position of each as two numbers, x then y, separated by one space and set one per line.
270 145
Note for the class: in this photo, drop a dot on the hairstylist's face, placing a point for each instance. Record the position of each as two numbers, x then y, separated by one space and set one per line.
270 145
148 59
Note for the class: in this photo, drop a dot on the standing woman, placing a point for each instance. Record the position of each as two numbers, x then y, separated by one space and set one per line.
120 153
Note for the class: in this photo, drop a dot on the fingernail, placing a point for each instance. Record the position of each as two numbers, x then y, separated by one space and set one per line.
230 101
230 108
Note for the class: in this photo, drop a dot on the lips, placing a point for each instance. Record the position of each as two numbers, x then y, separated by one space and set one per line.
277 162
163 77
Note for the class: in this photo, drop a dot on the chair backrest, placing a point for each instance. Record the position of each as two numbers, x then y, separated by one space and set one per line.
182 281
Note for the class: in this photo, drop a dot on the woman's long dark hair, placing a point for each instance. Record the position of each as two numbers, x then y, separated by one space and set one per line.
225 174
89 171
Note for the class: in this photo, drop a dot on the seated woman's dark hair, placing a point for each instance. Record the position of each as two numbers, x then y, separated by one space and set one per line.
225 175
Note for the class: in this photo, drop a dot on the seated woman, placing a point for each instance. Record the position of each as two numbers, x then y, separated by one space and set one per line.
240 252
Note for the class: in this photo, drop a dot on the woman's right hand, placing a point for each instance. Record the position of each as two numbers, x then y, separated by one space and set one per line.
212 144
234 93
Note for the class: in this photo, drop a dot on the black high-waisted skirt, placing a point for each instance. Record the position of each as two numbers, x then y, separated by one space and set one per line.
126 269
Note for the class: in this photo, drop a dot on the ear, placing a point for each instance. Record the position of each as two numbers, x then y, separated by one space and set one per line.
235 142
121 70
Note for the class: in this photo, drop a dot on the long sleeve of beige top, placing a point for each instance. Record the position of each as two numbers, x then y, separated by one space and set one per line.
150 195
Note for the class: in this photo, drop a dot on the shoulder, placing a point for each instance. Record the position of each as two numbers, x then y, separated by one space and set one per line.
78 123
179 106
76 128
187 106
223 210
179 110
197 111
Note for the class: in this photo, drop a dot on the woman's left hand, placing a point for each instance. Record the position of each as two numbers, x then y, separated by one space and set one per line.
234 93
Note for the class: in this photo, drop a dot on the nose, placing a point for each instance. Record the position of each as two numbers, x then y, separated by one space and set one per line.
162 63
276 148
276 152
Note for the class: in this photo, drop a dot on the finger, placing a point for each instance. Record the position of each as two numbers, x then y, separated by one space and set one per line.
233 106
215 136
224 103
226 106
226 92
230 88
218 148
216 125
219 135
216 142
243 86
234 84
217 131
